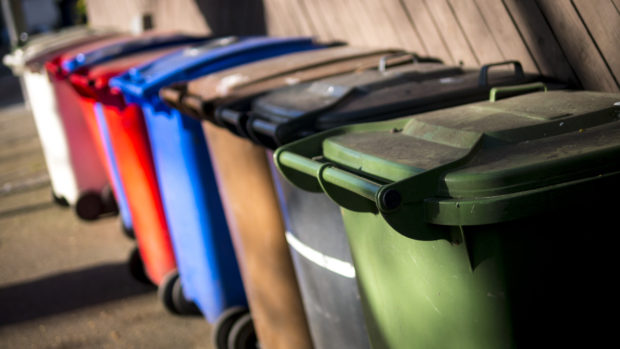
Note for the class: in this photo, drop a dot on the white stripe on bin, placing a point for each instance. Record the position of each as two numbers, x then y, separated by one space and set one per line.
330 263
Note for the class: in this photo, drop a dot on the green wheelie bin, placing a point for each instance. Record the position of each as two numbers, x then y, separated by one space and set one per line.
488 225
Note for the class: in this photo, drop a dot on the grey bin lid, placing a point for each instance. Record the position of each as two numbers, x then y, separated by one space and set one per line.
290 113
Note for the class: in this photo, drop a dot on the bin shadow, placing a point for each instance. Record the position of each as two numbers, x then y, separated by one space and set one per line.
234 17
67 291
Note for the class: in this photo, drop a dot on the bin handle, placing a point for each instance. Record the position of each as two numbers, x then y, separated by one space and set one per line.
383 60
483 79
327 174
535 86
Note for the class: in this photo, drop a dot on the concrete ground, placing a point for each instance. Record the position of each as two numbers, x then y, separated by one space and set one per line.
64 283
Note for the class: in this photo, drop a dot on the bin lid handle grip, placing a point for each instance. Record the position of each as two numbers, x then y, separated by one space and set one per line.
483 79
383 61
516 89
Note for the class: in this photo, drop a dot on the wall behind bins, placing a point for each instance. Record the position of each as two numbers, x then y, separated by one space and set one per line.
574 40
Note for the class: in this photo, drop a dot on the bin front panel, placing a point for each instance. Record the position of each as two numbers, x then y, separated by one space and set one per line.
89 171
135 165
423 294
205 256
52 136
113 174
325 272
257 230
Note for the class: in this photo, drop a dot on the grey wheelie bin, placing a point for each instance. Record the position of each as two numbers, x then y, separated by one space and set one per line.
488 225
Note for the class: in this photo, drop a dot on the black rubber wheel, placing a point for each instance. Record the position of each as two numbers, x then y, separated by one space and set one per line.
108 201
136 267
164 292
242 334
128 231
59 200
89 206
182 304
224 324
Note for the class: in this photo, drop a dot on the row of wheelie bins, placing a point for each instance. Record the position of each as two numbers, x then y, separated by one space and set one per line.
307 194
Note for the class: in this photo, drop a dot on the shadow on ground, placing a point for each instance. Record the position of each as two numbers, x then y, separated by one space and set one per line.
67 291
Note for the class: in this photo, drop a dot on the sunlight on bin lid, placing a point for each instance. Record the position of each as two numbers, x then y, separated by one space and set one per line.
46 43
149 78
487 153
100 52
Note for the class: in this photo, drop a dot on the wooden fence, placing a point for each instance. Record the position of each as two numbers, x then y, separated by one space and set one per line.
573 40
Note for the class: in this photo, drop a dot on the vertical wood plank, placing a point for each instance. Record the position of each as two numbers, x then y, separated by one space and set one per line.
294 24
506 34
359 32
183 15
402 27
276 25
320 27
476 31
330 16
579 48
369 33
451 32
603 22
381 33
429 34
298 12
540 40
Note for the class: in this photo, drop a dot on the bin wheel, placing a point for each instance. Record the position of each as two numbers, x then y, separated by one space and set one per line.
242 334
164 292
108 201
136 267
89 206
59 200
182 304
128 231
224 324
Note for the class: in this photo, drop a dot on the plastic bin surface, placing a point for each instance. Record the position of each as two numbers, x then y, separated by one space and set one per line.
91 83
28 61
315 232
205 256
463 222
133 159
290 113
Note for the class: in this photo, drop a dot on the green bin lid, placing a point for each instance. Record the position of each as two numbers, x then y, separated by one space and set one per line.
475 164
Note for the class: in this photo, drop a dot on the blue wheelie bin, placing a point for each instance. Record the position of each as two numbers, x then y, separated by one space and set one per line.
207 266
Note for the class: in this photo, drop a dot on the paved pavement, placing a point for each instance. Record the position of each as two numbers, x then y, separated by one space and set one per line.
64 283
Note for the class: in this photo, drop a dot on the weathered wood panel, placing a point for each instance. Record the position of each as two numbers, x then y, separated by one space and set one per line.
578 46
430 36
451 32
505 33
602 20
573 40
539 39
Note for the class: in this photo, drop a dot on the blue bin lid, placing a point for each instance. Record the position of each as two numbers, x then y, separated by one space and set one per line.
128 45
200 60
